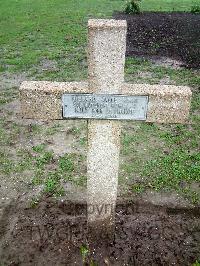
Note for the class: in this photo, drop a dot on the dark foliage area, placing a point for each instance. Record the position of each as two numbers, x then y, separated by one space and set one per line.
132 7
175 35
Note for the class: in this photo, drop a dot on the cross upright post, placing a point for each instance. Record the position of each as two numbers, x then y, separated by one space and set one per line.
106 59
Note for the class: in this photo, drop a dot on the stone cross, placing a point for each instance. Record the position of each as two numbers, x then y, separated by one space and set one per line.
106 58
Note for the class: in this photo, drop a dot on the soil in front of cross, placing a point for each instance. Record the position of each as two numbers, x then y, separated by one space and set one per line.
55 233
175 35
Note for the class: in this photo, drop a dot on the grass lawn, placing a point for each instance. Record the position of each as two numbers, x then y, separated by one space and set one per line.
168 5
32 30
47 40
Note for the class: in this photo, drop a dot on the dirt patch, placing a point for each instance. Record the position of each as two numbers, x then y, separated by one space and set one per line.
173 35
9 80
53 232
165 62
48 65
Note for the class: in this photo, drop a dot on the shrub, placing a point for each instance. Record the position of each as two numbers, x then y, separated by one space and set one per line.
132 7
195 9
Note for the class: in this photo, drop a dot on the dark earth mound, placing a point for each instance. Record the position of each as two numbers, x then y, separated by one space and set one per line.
53 232
175 35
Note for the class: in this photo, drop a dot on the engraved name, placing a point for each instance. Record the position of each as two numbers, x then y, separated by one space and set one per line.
105 106
82 104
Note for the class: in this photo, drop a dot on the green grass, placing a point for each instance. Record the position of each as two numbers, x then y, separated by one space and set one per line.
65 169
168 5
134 66
197 263
56 30
48 29
35 33
162 157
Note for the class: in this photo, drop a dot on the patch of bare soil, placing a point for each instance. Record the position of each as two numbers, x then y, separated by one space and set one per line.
52 134
9 80
172 35
53 232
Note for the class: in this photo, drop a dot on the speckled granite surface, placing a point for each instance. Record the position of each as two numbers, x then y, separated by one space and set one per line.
167 103
106 60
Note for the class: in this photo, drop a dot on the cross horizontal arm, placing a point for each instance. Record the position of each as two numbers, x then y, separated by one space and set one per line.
42 99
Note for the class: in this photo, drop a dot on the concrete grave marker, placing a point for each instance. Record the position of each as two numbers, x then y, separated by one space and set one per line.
104 100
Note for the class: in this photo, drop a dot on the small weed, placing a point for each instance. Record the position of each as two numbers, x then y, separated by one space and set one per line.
38 177
192 195
138 188
6 164
34 202
66 163
33 129
197 263
83 141
132 7
23 165
85 253
67 177
59 191
7 95
80 181
44 159
128 139
84 250
2 69
26 161
51 185
39 148
195 9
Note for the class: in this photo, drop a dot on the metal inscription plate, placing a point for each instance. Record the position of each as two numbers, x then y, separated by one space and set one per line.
101 106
